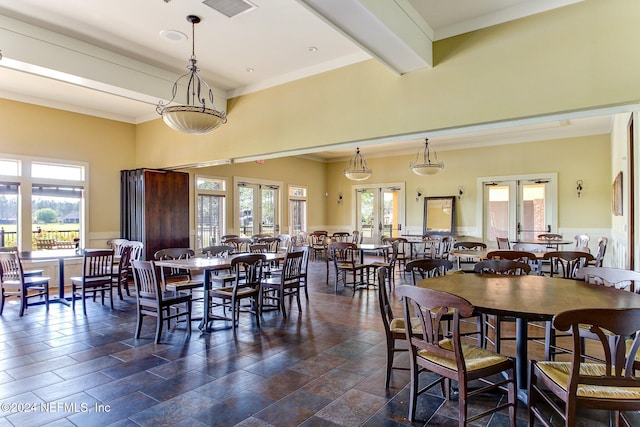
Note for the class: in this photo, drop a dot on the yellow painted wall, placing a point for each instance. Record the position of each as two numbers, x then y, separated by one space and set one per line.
585 158
108 146
573 58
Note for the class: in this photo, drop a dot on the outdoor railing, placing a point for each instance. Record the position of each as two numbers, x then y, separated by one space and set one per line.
42 239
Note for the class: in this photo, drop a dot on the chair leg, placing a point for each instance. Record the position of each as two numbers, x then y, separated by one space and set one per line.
281 302
462 402
497 333
298 299
139 323
2 297
390 354
189 306
256 303
84 301
111 295
46 295
549 341
159 322
23 301
413 392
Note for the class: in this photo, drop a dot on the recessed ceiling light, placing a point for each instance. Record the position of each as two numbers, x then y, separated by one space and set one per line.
173 35
249 70
312 49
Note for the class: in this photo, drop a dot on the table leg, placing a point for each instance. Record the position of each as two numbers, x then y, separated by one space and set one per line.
61 298
522 360
205 315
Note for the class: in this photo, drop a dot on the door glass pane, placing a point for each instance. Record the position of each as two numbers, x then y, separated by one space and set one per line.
298 216
367 220
532 218
268 211
246 211
210 217
498 212
390 206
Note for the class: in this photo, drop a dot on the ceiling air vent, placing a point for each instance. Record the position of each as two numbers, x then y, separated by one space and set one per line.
230 8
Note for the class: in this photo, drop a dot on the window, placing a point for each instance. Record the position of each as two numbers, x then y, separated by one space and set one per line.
42 203
210 221
297 210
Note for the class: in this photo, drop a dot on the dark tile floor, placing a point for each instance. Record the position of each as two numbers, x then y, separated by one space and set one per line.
321 367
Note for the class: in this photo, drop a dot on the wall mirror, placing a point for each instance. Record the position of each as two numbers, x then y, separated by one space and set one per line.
439 215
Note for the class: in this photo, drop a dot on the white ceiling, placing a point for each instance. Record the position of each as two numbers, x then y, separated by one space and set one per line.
273 40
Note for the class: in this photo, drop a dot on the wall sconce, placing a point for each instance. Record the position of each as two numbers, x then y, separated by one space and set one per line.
418 194
579 187
339 198
460 192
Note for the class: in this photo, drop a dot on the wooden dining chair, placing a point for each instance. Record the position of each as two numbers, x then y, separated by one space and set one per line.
582 242
287 284
120 274
117 245
562 388
390 258
501 266
523 256
346 261
304 273
97 272
600 252
551 240
246 285
136 250
394 327
318 244
493 322
217 251
240 244
433 350
468 246
14 282
153 301
618 278
420 269
178 279
566 263
503 243
426 268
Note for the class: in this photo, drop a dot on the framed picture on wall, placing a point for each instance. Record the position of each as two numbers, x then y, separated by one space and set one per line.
616 202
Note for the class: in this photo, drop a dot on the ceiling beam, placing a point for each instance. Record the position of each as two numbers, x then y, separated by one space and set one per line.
391 31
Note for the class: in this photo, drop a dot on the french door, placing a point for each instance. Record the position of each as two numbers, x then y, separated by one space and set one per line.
519 208
379 211
257 208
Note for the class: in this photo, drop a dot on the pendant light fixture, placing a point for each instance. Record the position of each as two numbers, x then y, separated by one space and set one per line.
427 167
357 170
196 116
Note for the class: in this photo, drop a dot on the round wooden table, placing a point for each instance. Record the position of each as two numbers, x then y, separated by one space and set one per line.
529 298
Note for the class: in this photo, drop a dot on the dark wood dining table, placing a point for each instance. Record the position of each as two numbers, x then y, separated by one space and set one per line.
208 266
529 298
60 256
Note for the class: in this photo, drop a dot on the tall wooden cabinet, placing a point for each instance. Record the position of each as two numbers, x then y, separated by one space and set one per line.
155 209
